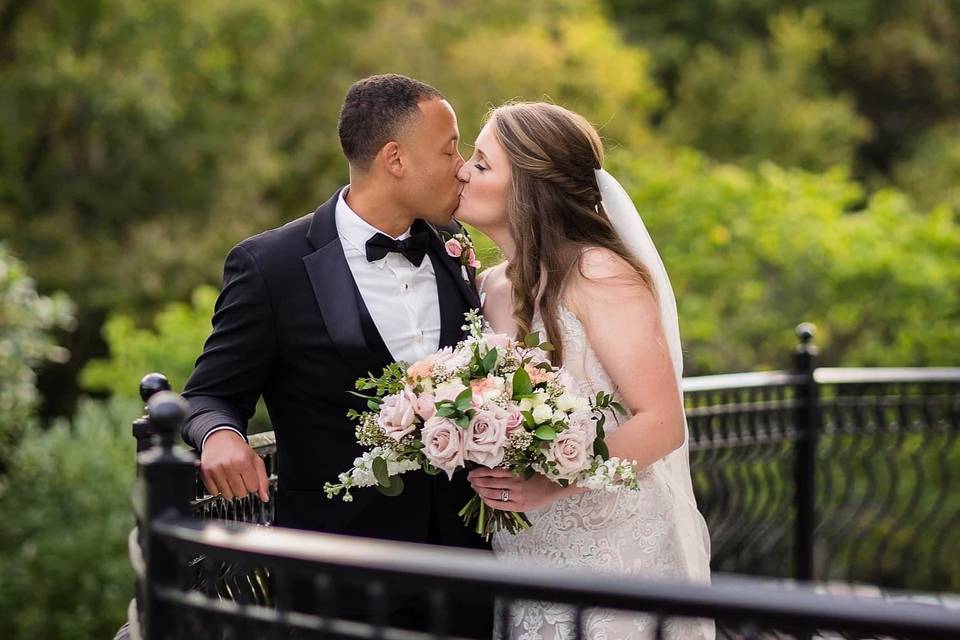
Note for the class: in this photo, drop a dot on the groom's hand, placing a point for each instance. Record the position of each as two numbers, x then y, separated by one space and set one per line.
230 467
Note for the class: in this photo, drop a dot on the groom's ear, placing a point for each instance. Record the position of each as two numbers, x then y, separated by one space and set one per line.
392 159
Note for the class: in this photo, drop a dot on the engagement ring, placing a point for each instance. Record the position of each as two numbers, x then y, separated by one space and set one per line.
504 495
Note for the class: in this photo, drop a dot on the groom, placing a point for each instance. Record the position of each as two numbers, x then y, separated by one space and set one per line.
309 307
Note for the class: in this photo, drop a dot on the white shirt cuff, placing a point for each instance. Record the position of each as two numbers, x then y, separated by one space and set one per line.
214 430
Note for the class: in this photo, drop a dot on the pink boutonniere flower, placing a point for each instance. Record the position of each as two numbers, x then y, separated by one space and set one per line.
460 246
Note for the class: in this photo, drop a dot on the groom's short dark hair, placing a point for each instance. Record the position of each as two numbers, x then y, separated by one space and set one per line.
374 111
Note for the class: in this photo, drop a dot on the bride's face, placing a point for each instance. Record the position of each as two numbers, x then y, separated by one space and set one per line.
486 183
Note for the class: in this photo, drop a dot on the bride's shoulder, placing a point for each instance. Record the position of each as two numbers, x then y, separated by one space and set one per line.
494 278
602 274
597 262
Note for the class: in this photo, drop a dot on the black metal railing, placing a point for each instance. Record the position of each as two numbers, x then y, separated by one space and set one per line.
849 475
833 475
316 567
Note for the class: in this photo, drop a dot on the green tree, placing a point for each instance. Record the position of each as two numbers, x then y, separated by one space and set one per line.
28 323
897 60
64 531
932 172
169 346
752 252
767 102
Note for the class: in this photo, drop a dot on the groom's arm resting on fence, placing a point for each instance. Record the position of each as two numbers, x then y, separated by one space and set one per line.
229 466
229 377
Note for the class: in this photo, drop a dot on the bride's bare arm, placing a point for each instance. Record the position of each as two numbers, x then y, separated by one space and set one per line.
622 322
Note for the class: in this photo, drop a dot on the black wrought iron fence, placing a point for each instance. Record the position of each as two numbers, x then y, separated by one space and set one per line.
849 475
833 475
318 566
846 475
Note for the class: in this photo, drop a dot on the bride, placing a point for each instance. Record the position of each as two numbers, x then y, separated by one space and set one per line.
581 268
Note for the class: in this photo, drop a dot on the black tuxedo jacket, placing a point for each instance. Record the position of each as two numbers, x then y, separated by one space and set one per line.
290 325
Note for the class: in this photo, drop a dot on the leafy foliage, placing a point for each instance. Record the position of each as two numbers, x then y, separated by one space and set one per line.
752 252
170 347
28 322
65 526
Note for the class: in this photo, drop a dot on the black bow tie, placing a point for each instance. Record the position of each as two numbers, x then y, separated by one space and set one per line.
412 248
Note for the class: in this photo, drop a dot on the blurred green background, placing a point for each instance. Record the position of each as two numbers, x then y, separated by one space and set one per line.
794 160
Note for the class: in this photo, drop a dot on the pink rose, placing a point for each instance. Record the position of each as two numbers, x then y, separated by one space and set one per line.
498 341
419 370
398 414
426 406
485 389
513 421
570 453
453 248
537 375
472 258
486 437
583 421
443 444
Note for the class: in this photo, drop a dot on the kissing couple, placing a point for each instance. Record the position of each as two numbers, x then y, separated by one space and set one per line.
367 279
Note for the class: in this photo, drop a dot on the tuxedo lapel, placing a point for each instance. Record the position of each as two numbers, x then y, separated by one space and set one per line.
336 291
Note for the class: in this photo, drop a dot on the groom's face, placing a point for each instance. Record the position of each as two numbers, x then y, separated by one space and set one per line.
433 191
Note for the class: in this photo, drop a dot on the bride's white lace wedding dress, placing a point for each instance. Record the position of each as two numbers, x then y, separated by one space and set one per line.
655 532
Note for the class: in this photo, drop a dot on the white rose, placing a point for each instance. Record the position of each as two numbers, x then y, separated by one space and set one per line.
450 359
567 402
448 390
543 413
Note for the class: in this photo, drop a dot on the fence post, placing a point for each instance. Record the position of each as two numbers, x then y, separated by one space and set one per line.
142 428
167 475
807 422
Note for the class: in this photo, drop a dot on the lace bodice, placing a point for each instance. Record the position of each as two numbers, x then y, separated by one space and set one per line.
627 531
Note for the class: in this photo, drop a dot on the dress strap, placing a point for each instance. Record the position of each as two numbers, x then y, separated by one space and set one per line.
482 278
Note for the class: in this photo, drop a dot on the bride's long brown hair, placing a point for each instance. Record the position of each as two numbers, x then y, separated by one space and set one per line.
554 207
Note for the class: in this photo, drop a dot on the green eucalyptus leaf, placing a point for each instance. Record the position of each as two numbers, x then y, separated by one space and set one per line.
380 471
464 399
521 383
489 361
600 449
395 487
546 432
531 339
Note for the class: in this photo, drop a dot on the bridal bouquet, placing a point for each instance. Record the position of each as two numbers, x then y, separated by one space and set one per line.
490 401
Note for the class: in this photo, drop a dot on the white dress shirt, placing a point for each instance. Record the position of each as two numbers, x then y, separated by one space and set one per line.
402 298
